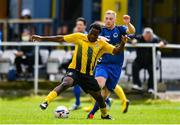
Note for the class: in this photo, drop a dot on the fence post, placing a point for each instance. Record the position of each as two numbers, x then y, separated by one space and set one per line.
36 69
154 70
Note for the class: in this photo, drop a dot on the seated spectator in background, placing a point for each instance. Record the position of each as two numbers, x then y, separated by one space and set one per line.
144 58
25 56
15 31
26 15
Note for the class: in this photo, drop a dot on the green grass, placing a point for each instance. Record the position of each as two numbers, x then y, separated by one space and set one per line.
26 110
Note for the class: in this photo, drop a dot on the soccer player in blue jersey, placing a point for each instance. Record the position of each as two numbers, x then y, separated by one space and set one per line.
109 68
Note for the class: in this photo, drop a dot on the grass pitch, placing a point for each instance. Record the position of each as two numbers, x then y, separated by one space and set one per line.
26 111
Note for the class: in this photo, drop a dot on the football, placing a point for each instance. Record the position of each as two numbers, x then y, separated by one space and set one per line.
61 112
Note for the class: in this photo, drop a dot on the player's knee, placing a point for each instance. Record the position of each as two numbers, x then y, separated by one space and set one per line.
67 82
65 85
101 81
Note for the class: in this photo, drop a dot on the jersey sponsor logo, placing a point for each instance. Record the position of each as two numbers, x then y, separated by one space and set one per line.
99 60
115 35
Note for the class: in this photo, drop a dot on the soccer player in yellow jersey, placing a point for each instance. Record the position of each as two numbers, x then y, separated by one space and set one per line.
88 48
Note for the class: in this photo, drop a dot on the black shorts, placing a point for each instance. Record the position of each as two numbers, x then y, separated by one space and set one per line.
87 83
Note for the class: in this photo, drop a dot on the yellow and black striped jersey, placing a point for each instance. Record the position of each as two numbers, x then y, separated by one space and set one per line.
86 53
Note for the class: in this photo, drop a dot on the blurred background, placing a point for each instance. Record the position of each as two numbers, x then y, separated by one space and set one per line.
162 15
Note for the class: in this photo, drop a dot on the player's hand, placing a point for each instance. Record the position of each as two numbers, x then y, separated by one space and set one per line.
161 44
134 42
36 38
124 39
126 19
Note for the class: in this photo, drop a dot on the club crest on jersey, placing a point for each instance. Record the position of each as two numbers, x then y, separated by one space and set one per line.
115 35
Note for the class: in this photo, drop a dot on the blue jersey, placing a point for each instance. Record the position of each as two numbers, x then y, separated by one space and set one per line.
114 36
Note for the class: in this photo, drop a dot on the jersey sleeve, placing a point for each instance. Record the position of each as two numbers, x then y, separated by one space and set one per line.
72 38
107 48
123 29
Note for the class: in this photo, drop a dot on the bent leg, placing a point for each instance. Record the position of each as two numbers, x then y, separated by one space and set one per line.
101 76
120 93
105 94
101 81
98 97
66 83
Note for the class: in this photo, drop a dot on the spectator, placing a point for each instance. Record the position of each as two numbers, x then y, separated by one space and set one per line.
25 56
26 15
15 31
144 58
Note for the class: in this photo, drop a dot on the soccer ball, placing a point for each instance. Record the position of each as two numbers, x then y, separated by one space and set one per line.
61 112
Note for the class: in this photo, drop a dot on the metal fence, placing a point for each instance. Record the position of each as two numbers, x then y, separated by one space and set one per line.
48 44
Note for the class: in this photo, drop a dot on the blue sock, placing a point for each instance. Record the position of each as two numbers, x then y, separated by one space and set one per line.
77 93
95 108
108 102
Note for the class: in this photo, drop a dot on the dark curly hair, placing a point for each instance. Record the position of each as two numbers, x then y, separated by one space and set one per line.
95 26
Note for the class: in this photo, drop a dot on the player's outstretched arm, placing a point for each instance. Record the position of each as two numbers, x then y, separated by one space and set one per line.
58 38
120 48
130 28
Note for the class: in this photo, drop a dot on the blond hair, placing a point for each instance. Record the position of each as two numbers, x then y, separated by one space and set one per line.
111 12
